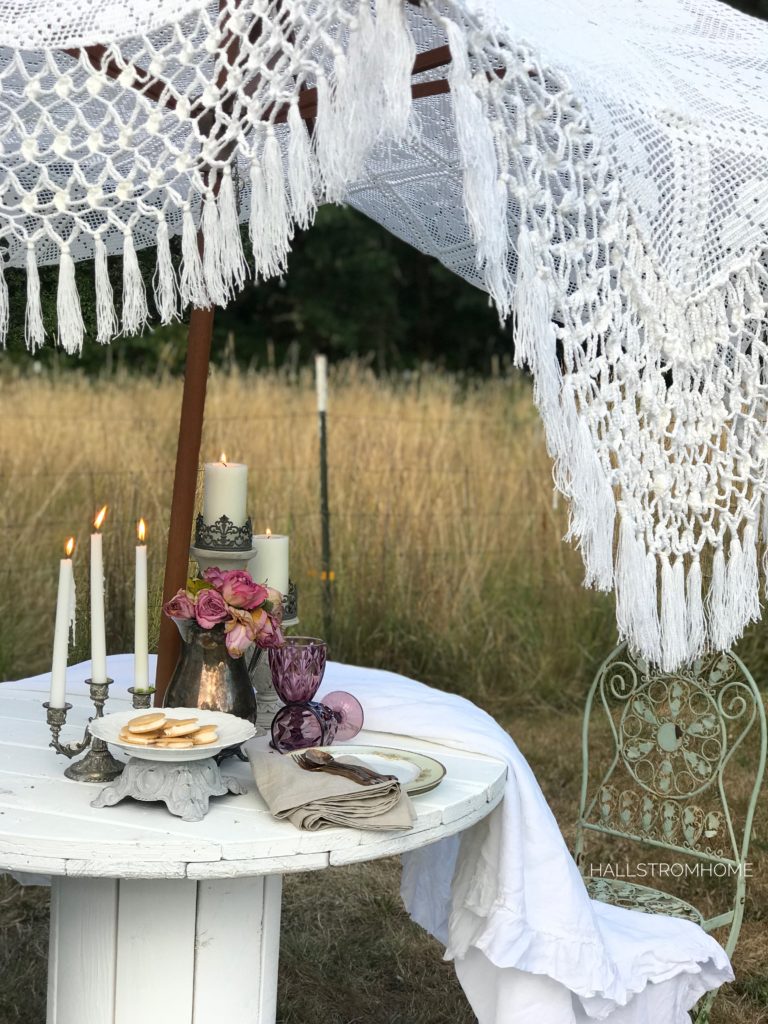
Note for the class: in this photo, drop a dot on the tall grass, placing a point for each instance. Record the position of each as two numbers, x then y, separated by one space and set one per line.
446 543
449 567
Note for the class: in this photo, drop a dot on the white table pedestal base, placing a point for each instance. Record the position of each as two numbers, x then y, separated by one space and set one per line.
164 951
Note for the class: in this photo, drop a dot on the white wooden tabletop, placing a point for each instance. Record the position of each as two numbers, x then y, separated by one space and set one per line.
47 825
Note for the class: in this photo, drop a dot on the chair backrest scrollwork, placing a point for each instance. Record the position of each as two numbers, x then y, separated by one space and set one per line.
673 736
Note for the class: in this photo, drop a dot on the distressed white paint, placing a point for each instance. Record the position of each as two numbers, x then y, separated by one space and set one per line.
237 949
82 951
47 825
206 894
155 952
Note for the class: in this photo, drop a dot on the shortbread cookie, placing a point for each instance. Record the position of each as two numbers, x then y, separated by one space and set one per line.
205 735
147 723
172 742
137 739
180 726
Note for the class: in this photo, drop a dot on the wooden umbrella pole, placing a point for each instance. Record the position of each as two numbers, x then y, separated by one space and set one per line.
184 486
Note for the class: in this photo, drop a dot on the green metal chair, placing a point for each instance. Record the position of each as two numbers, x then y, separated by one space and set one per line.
665 781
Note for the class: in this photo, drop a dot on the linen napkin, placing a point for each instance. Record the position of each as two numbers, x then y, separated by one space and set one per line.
315 800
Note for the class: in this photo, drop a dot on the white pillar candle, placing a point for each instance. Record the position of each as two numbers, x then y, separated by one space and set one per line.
225 491
98 628
65 616
270 563
140 614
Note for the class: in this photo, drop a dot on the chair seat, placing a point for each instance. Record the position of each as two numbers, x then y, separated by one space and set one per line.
620 893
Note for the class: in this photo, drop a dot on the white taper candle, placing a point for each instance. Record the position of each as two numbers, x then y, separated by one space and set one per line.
140 615
65 614
98 627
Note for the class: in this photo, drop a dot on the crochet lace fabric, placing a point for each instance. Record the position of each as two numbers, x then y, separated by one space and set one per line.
599 168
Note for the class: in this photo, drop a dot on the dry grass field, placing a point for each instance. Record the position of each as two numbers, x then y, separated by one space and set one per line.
449 567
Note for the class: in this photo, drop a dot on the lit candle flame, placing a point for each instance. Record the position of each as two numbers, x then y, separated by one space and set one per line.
98 522
223 459
268 533
141 531
69 547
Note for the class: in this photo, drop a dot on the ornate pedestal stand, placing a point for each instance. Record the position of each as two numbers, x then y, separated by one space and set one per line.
185 787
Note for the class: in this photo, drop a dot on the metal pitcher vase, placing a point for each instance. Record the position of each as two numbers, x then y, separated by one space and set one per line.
207 676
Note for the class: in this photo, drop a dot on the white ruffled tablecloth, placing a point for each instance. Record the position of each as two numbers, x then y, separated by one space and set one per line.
506 897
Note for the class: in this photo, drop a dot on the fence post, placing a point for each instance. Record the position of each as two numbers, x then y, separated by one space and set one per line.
321 388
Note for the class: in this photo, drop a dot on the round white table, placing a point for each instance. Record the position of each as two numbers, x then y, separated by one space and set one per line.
162 921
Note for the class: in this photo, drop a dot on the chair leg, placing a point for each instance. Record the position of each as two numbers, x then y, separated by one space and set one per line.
702 1009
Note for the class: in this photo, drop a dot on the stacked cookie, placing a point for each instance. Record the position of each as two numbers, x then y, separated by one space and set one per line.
156 730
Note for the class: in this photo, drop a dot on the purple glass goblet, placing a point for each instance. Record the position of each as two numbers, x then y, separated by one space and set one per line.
297 726
297 668
347 712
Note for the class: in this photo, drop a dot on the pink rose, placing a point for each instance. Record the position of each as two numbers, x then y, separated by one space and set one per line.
271 635
210 609
267 630
214 576
239 590
276 600
180 606
240 632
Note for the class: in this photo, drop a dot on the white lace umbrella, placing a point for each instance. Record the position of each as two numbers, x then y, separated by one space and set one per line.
600 168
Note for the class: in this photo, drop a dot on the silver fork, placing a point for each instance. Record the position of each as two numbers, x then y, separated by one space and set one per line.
356 773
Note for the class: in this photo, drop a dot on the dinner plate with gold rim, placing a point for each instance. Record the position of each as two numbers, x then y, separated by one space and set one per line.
417 773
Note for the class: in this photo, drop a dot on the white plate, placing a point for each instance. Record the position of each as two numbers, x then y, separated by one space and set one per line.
417 773
232 731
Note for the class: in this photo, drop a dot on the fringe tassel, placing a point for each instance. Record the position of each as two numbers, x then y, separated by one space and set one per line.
536 344
5 312
752 574
328 142
302 170
357 99
485 199
674 632
393 42
751 578
135 310
716 604
734 594
70 329
697 629
234 269
270 225
636 593
34 330
212 254
106 319
192 282
164 280
581 477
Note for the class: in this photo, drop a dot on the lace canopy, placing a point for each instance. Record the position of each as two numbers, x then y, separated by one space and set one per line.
599 168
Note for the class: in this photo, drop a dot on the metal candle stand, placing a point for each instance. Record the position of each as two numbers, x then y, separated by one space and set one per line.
223 543
98 765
